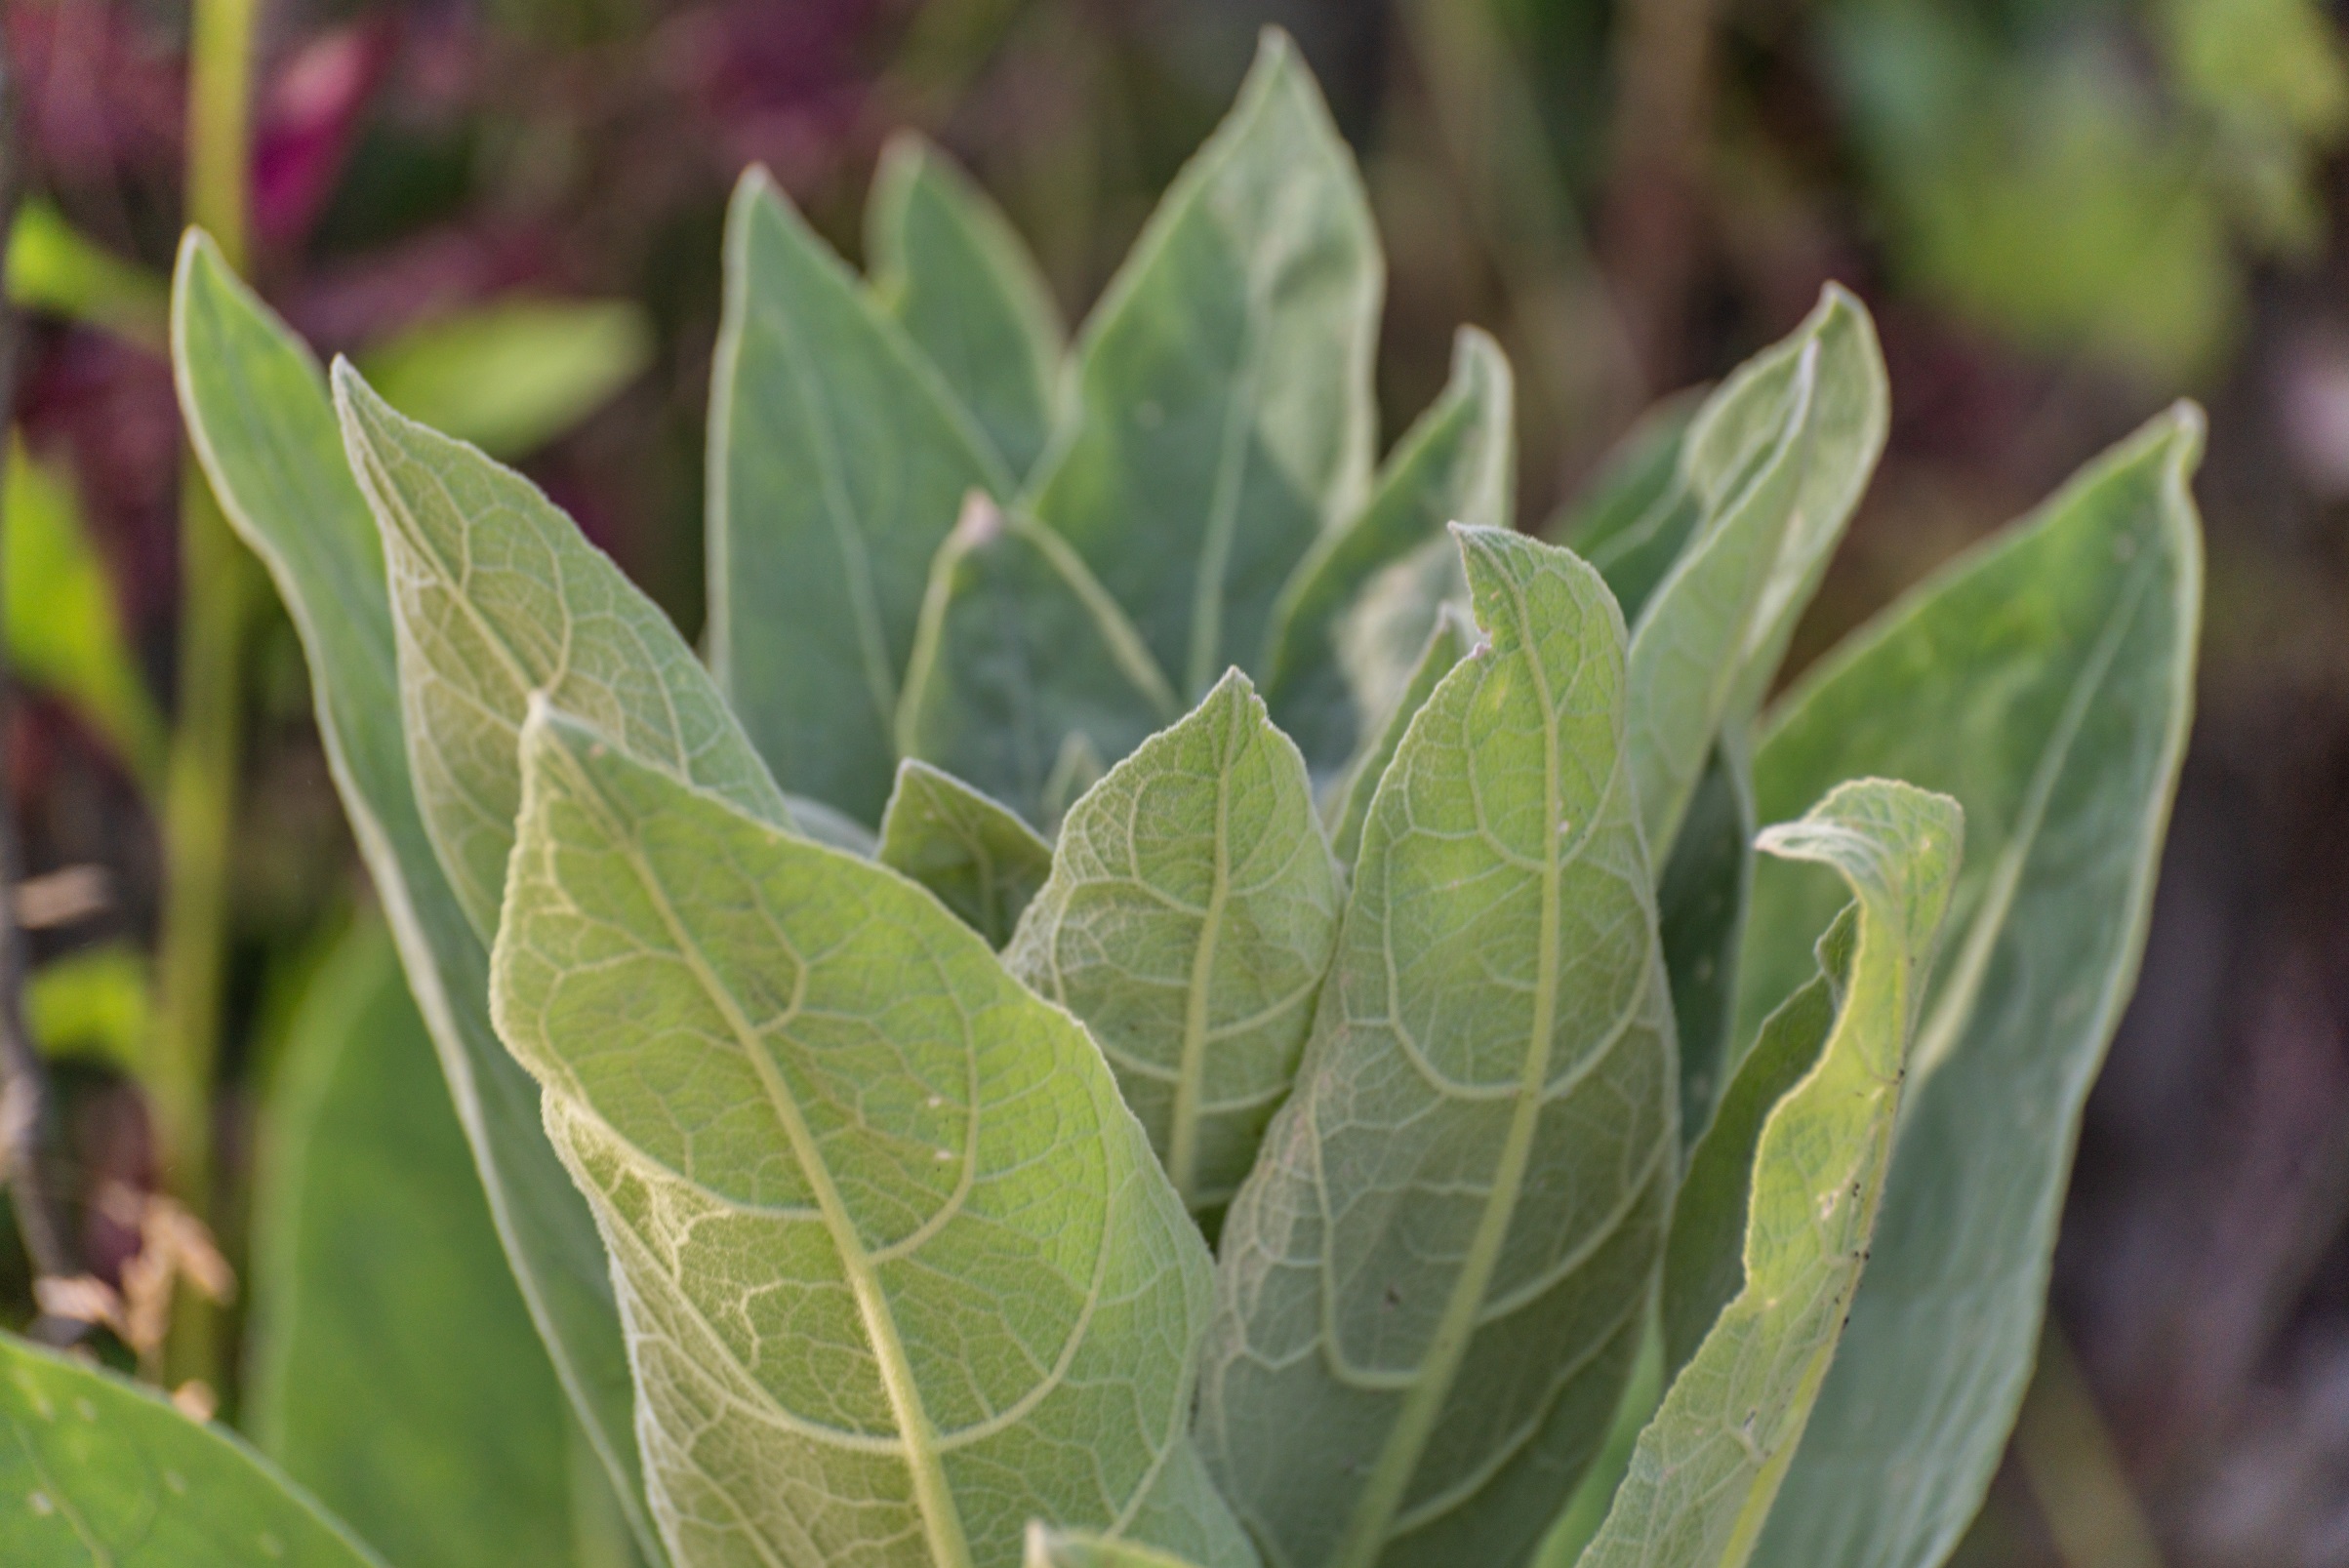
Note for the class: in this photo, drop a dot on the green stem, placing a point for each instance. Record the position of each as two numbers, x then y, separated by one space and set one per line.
199 807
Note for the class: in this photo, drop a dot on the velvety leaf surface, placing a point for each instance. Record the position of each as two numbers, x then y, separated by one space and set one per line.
1450 643
98 1472
979 857
899 1269
1456 464
1775 462
949 267
1701 909
1635 517
1431 1289
839 458
1224 412
496 594
258 416
1188 923
2046 683
1706 1470
1026 672
391 1365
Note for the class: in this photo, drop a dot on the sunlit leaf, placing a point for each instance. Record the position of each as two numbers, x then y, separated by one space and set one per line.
978 857
1431 1291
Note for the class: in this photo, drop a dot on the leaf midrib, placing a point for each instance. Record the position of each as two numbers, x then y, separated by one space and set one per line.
934 1500
1183 1132
1382 1497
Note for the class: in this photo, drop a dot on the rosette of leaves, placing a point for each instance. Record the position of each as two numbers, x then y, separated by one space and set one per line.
1151 1002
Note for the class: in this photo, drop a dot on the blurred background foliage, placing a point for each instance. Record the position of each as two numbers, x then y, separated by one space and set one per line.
2062 212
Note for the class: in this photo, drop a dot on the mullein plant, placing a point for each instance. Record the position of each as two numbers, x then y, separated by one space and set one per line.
1171 992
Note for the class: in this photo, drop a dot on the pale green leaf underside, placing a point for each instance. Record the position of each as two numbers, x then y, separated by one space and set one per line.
1431 1289
258 416
839 458
391 1365
899 1270
1224 415
1774 463
1025 671
98 1472
2045 682
1188 923
494 595
1457 463
1704 1474
1349 807
948 266
979 860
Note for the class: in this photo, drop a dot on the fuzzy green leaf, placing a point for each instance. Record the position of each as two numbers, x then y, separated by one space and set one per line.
899 1269
2047 682
1775 464
1024 673
496 594
1431 1289
839 458
393 1367
949 267
1450 643
1187 924
978 857
1701 911
258 416
1224 415
102 1473
1709 1466
1456 464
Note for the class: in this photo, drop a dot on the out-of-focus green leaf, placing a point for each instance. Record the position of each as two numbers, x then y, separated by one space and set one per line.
1188 923
55 268
1431 1289
65 629
393 1367
978 857
1350 806
1635 516
1224 415
1383 637
2047 682
102 1473
1775 462
949 266
838 461
900 1270
258 415
497 595
1026 677
1456 464
1701 911
95 1002
513 375
1709 1466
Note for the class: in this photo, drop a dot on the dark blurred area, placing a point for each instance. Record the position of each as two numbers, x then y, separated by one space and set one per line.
2063 212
